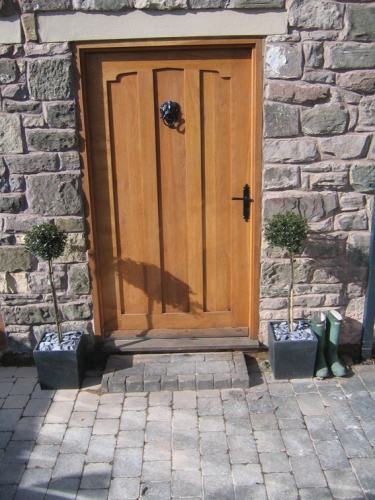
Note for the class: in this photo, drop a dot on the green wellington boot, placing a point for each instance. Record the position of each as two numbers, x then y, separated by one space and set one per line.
334 320
318 324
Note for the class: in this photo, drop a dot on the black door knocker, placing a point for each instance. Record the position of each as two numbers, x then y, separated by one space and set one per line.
169 112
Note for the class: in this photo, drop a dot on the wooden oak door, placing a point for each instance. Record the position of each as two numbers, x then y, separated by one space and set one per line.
172 251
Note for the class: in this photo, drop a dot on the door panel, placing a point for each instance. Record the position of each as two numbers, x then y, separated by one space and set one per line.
171 248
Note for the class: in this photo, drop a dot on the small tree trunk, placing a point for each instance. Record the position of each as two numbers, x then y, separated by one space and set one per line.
291 293
57 319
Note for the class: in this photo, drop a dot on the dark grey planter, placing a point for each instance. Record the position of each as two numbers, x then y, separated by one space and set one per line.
291 358
60 369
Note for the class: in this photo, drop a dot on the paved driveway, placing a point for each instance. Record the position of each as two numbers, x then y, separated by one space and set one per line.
300 439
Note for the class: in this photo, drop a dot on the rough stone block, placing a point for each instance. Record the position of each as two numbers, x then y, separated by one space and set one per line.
313 52
60 115
69 160
325 119
50 79
290 151
14 259
357 81
8 71
37 5
351 221
79 279
16 91
21 106
107 5
283 61
360 23
29 27
321 15
51 140
349 56
358 250
280 120
254 4
10 134
352 201
55 194
329 180
12 203
361 175
367 113
349 146
160 4
74 311
28 315
281 177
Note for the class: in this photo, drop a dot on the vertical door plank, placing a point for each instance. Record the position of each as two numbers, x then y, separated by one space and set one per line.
192 115
172 179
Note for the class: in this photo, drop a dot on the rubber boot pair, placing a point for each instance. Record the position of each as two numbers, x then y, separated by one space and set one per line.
327 329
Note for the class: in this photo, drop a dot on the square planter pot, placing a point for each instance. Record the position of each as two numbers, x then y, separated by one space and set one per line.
60 369
291 358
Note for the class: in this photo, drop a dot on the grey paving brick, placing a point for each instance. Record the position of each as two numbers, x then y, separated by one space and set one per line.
26 371
7 371
368 378
97 494
5 388
37 408
244 454
43 456
101 449
264 421
11 473
320 428
82 419
130 439
18 401
187 382
218 486
209 406
115 384
18 452
355 443
69 466
152 383
209 393
76 440
204 381
127 462
124 488
23 386
66 487
9 419
163 398
236 409
183 368
274 462
364 470
281 389
4 439
297 442
112 399
8 491
134 383
213 442
332 395
286 407
104 426
155 490
158 431
28 429
311 404
307 472
247 474
86 401
280 486
59 412
211 423
63 395
109 411
315 493
186 460
152 369
182 357
39 393
238 426
222 380
133 420
33 484
51 434
184 400
269 441
186 483
291 423
369 430
157 471
343 417
169 383
331 454
185 419
185 439
303 385
215 464
259 402
343 484
96 476
364 408
157 451
160 413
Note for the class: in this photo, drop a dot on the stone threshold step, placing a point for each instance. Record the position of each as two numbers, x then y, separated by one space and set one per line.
175 372
169 345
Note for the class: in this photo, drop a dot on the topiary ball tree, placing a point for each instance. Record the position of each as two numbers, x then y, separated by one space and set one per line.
47 242
288 231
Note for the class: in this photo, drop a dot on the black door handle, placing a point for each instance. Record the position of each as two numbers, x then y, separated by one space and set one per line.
246 202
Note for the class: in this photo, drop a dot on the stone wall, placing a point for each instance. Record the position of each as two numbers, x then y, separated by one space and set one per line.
319 158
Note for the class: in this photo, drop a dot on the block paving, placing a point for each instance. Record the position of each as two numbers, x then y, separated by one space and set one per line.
291 439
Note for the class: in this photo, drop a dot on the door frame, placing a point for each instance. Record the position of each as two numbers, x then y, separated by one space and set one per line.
255 181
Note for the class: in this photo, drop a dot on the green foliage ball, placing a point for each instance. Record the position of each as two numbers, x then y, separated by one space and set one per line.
287 231
46 241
